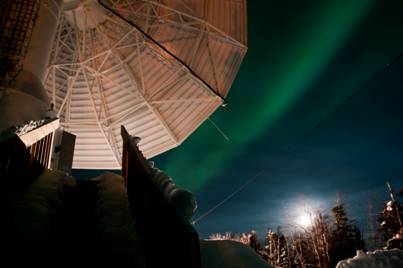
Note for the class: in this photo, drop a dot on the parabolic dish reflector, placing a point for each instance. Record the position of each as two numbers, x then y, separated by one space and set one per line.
105 73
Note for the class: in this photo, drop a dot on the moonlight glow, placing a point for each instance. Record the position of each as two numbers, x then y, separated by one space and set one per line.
299 212
304 220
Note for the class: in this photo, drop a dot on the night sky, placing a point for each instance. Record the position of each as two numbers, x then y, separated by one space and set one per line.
304 59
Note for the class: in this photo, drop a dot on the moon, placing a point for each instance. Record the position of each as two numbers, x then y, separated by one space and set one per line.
304 220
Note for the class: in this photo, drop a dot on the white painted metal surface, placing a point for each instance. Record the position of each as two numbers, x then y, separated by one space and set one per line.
104 73
39 133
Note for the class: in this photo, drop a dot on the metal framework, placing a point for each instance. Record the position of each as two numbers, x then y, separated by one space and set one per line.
110 74
17 19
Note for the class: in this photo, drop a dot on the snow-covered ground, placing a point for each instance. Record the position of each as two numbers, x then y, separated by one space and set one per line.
376 259
116 225
229 254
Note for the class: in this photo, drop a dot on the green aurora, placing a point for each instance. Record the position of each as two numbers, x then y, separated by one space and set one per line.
299 45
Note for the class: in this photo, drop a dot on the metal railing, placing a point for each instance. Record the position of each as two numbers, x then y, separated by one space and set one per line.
23 157
157 223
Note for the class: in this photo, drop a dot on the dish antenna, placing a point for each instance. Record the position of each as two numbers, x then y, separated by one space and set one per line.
160 68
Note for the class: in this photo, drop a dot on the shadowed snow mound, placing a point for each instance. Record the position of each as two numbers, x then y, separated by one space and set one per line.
229 254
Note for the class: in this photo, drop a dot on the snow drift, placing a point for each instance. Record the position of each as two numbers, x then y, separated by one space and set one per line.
377 259
116 225
180 199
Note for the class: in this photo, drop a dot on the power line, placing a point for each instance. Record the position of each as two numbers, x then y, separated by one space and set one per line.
227 198
350 98
309 132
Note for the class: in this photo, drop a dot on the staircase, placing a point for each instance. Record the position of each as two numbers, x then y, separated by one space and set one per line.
63 224
77 227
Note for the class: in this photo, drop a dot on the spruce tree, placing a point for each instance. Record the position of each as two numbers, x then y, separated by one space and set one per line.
254 241
345 239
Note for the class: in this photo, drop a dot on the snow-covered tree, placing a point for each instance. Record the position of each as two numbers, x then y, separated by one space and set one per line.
254 241
310 247
244 238
390 221
276 249
320 236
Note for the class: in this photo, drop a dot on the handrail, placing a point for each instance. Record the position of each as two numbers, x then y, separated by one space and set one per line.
39 133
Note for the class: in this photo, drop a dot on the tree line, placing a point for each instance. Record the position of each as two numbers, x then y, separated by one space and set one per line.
329 238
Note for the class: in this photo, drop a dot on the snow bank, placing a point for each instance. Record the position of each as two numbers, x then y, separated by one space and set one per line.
376 259
35 207
113 206
181 200
229 254
116 223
